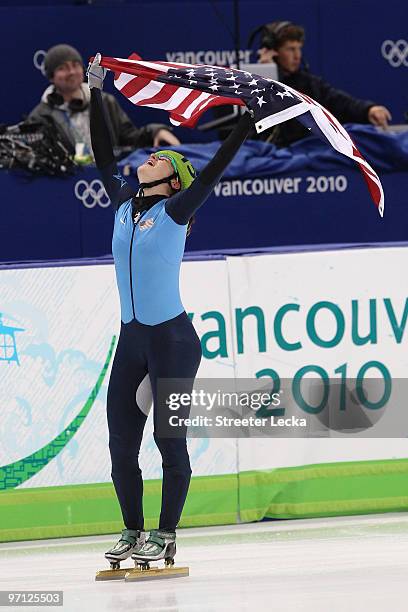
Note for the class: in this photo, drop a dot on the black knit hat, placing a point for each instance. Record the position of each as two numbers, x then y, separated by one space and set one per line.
58 55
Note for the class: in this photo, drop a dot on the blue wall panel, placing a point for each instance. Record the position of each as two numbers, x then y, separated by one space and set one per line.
352 33
343 42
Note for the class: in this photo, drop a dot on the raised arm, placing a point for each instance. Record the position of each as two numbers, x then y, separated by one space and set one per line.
181 206
116 187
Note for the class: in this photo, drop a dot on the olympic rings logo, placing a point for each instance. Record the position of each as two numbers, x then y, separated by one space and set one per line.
396 53
91 194
38 60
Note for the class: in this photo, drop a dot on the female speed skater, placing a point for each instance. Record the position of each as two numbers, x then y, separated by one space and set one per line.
156 336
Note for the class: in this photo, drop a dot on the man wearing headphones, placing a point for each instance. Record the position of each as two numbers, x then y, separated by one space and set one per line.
282 42
66 103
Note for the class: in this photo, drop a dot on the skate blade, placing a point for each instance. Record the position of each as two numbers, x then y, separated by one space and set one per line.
118 574
153 573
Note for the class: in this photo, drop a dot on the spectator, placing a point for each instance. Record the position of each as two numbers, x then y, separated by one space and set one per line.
66 103
282 42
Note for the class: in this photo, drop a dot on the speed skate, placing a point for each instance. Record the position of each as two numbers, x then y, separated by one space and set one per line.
142 571
159 546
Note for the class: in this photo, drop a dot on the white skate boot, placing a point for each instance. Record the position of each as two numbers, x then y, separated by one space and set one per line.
129 542
160 545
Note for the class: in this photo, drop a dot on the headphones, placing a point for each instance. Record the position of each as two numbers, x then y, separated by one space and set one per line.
270 37
269 34
76 105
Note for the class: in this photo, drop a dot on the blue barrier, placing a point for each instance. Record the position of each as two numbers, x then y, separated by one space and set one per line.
45 219
384 150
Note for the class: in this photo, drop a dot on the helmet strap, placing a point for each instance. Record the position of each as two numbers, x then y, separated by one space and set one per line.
167 179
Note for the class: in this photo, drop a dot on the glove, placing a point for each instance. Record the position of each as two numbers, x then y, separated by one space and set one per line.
96 73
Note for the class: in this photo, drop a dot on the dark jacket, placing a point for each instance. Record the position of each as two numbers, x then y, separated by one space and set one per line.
343 106
123 131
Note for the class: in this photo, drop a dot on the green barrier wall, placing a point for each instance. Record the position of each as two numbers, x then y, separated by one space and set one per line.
300 492
330 489
51 512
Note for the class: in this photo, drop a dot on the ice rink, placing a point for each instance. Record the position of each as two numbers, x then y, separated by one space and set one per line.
347 563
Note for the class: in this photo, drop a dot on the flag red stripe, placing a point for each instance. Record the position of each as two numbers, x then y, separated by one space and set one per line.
183 106
130 68
204 104
305 97
217 101
373 188
220 100
357 153
161 97
134 86
171 65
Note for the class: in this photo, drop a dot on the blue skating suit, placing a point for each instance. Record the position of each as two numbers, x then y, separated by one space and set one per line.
157 340
147 257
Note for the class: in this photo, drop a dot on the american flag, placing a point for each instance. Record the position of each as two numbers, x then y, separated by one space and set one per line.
147 224
186 91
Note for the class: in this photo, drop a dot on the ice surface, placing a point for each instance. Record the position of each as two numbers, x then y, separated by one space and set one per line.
342 564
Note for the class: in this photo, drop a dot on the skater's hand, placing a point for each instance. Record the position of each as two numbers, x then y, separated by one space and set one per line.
96 73
166 137
379 115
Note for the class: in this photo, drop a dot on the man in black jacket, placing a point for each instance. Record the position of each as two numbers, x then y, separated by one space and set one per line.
282 42
66 104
